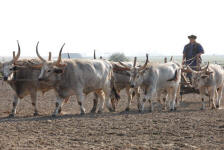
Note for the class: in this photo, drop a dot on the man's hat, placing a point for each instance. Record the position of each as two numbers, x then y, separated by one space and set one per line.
192 37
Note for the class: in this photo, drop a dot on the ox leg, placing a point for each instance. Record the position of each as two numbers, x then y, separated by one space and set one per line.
62 104
219 97
108 98
34 102
148 96
173 99
95 102
212 93
129 99
159 101
64 101
141 107
138 98
14 104
101 105
81 98
58 105
151 104
109 105
202 93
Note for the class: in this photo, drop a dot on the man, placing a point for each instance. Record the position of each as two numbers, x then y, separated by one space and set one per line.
192 53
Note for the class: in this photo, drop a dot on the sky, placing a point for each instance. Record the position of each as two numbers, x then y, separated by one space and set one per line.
133 27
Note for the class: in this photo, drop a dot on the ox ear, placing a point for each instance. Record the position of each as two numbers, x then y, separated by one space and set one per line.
204 76
208 72
16 68
58 70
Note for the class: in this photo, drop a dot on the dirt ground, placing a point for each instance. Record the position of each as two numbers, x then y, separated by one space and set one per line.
187 128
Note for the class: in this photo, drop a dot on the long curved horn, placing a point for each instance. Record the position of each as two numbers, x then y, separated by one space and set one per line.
135 59
205 67
59 56
18 54
49 56
38 55
124 65
191 70
14 54
15 58
94 54
146 62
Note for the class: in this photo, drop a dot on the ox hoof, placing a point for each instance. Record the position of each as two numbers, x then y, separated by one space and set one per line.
140 110
53 115
59 111
171 110
100 112
217 106
127 109
82 113
93 111
11 115
36 114
111 110
139 106
213 107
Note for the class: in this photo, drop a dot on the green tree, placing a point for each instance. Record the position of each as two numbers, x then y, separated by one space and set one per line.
118 57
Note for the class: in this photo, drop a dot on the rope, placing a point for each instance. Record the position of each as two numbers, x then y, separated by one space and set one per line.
190 59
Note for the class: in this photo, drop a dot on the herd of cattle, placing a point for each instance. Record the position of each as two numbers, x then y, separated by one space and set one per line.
106 79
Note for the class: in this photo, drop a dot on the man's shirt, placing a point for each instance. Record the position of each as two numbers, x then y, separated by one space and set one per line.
191 50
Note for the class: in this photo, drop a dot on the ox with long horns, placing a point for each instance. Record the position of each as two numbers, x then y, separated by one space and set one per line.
78 77
211 79
22 76
154 79
121 81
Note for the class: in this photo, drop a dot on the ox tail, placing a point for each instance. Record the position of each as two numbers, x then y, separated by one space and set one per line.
133 94
176 76
115 94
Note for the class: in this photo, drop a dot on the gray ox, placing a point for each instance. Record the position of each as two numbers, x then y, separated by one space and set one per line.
23 79
210 79
121 81
155 79
79 77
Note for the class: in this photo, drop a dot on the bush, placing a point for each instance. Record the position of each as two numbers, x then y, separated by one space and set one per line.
118 57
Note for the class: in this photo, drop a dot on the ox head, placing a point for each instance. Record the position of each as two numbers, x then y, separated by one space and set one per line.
136 72
50 69
9 67
200 78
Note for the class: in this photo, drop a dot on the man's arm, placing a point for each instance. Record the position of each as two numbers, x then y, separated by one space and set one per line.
200 50
184 57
